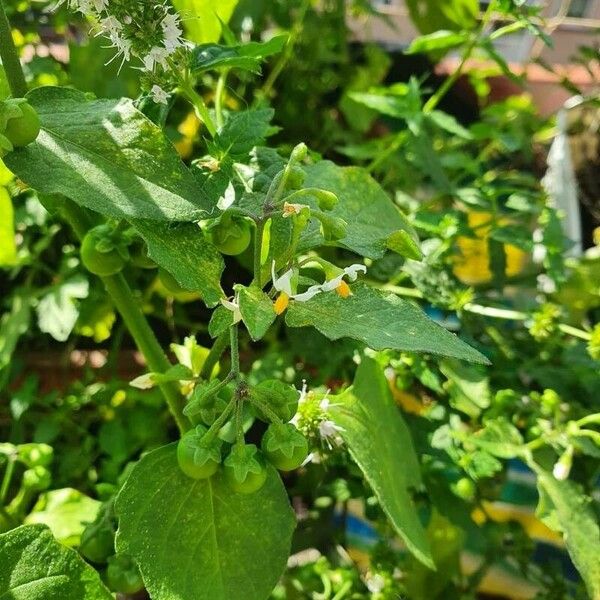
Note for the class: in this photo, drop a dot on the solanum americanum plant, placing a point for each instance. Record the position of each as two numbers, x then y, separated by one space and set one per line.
268 259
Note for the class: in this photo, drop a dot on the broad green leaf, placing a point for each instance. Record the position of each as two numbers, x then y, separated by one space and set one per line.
13 325
449 123
402 243
380 321
220 321
369 212
58 310
183 250
35 566
107 156
244 130
433 15
202 18
564 508
65 512
257 311
392 105
438 40
8 249
243 56
196 539
380 443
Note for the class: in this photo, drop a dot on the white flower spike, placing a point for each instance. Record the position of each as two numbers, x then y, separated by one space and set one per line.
159 95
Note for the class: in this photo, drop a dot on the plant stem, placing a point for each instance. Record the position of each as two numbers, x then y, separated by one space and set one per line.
222 81
258 242
235 350
146 341
201 110
10 468
10 57
213 356
133 317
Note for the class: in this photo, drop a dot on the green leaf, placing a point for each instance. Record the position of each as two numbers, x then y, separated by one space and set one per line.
438 40
449 123
175 373
202 18
468 387
195 539
8 248
183 250
107 156
380 443
243 56
564 508
432 15
58 311
402 243
13 325
369 212
257 311
35 566
220 321
244 130
65 512
380 321
500 438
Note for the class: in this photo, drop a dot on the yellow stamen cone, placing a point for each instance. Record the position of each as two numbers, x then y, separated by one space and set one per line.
343 289
281 303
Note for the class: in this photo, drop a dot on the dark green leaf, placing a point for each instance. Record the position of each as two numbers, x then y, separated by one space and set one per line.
244 130
257 311
380 443
380 321
195 539
35 566
106 155
183 250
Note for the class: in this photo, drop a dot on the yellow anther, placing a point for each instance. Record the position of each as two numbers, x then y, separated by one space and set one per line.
343 289
281 303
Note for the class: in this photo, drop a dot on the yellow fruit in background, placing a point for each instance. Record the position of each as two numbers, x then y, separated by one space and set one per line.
188 128
472 264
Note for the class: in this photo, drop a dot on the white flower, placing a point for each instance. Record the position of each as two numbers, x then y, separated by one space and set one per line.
143 382
159 95
156 56
351 272
375 583
329 433
100 5
111 25
546 284
560 471
283 284
227 199
234 307
289 209
172 32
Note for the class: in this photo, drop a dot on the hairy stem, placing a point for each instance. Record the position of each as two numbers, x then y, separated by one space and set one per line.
10 57
214 355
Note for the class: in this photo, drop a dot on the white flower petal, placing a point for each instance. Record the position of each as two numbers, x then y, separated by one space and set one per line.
311 292
283 283
227 199
353 270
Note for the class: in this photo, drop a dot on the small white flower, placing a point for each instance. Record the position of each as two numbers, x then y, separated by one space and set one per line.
289 209
560 471
156 56
172 32
143 382
227 199
234 307
283 284
111 25
330 433
375 583
159 95
100 5
546 284
351 272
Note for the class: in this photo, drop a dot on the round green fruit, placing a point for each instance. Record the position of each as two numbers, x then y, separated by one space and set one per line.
284 446
231 236
197 457
245 469
123 575
97 261
23 130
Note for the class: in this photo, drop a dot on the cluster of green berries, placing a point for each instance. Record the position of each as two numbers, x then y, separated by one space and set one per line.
201 452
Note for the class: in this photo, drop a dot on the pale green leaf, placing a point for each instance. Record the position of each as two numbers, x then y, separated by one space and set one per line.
257 311
107 156
35 566
436 41
13 325
58 310
65 512
196 539
202 18
368 211
184 251
500 438
380 443
468 387
380 321
564 508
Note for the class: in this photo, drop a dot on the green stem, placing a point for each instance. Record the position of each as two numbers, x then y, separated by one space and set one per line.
133 317
235 350
146 341
258 242
214 355
10 469
266 410
219 92
10 57
202 111
220 421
